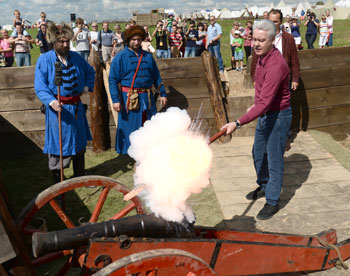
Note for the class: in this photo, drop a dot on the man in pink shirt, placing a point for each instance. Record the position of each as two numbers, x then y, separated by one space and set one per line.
272 109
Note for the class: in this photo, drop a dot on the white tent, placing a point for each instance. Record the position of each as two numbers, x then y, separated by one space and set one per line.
302 6
329 4
225 14
236 14
281 4
205 14
261 10
8 27
343 3
215 13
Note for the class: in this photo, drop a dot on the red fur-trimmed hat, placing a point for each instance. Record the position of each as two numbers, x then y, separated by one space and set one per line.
134 30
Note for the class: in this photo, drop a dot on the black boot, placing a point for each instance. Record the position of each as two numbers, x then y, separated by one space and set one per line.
56 176
79 165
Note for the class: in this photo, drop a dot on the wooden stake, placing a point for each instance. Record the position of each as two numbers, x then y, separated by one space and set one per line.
99 108
215 92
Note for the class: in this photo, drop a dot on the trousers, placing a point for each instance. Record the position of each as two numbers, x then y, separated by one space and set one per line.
269 145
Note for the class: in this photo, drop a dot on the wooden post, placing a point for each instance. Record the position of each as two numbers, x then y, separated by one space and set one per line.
101 140
215 92
15 239
106 82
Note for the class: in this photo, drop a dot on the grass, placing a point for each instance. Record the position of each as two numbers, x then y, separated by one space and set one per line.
339 150
27 176
341 38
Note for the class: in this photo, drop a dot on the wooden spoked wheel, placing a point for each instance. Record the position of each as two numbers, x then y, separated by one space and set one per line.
51 197
158 262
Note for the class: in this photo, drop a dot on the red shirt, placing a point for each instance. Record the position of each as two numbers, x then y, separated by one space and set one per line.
272 91
175 39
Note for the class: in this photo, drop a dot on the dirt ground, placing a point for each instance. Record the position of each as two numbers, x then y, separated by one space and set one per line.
236 83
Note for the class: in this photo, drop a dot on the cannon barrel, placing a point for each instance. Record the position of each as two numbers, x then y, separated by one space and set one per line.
133 226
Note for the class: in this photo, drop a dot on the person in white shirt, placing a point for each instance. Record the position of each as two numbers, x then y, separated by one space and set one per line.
286 25
82 39
94 37
330 28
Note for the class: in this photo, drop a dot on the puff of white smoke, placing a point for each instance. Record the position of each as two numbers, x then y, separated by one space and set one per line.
172 162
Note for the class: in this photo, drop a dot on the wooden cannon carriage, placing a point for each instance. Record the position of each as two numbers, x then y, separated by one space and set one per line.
153 247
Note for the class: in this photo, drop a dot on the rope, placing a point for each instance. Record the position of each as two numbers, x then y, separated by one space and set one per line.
340 263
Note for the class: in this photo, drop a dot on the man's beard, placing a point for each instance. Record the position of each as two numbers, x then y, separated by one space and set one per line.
63 51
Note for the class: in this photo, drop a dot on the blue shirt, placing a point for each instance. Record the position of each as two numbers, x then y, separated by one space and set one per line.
311 27
105 38
213 31
192 34
77 74
123 68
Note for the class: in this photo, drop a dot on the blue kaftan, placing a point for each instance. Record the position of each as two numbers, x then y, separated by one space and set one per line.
122 71
75 130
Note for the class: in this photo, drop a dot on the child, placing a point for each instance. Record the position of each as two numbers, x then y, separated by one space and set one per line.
18 18
238 43
41 20
323 31
170 21
235 27
175 42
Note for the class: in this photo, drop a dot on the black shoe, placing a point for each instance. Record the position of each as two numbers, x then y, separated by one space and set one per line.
254 195
267 211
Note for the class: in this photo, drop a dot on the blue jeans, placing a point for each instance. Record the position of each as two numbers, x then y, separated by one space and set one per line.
268 150
310 39
215 51
22 59
190 51
84 54
162 53
330 40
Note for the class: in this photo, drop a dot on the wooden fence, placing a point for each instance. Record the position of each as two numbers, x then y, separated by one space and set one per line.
322 101
20 117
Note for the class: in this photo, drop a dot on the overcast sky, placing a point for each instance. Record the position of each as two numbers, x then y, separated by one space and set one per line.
58 10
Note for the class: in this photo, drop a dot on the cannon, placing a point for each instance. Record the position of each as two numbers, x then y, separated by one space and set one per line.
145 244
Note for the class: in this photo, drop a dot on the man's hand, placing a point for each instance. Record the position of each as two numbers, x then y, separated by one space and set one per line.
230 127
163 101
56 106
294 85
117 107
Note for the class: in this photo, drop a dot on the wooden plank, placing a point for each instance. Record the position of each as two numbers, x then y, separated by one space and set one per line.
180 68
26 120
324 117
15 239
323 97
324 77
238 106
192 106
6 250
17 77
320 58
18 99
189 87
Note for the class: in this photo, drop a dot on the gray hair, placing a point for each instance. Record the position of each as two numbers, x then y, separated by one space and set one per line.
266 25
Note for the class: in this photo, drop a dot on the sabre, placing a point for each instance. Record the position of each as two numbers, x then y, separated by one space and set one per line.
140 188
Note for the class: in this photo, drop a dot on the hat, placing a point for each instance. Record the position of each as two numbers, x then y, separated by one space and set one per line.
56 32
170 13
237 32
134 30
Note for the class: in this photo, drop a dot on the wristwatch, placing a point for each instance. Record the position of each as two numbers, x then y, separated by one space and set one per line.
238 125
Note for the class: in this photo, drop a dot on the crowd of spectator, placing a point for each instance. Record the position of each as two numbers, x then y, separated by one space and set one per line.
172 38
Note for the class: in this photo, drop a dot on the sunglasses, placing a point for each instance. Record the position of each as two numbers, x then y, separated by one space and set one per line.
94 26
